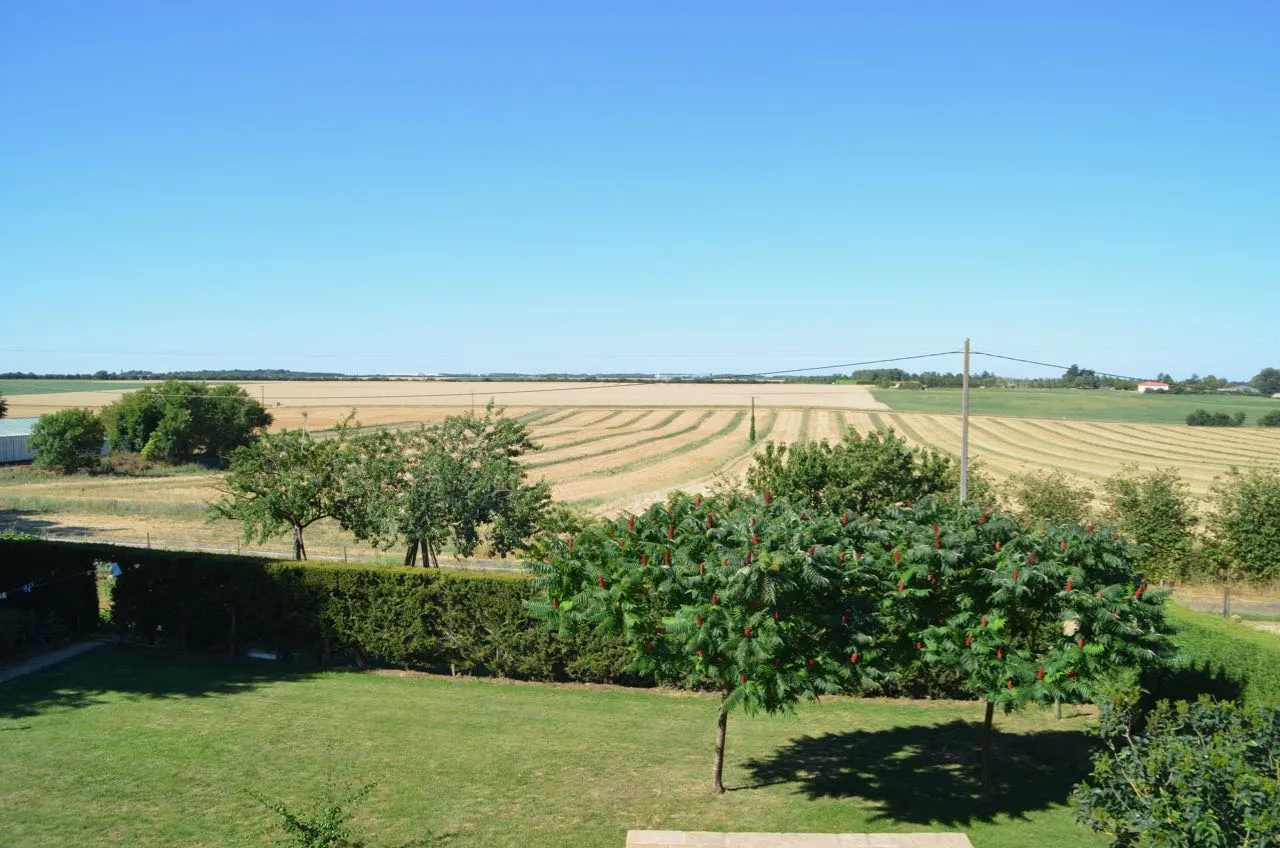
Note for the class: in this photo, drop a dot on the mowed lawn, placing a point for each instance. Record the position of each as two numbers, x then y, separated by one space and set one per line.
1077 404
128 748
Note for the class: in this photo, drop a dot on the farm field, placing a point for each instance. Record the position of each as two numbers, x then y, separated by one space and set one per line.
112 388
132 748
610 458
1076 404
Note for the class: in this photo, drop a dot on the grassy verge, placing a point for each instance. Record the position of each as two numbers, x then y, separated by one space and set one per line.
1076 404
146 750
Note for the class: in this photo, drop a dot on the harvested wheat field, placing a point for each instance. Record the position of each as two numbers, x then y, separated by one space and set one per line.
610 448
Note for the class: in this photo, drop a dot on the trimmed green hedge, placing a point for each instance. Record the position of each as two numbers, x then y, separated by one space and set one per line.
63 600
1229 658
433 620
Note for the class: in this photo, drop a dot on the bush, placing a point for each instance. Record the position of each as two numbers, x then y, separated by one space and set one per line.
1200 774
1051 496
68 441
1226 658
180 421
1155 511
63 597
1271 419
1245 523
1201 418
434 620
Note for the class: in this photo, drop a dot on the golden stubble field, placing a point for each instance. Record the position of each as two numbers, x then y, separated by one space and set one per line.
608 449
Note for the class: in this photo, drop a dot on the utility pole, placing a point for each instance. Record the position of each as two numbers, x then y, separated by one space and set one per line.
964 429
753 419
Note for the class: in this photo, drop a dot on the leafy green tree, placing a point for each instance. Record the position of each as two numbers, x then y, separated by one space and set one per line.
456 483
1271 419
1020 617
179 420
1051 496
285 481
1203 774
69 440
760 603
1267 381
1156 512
858 473
1245 522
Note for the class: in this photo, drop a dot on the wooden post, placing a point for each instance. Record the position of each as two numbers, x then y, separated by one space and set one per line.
964 428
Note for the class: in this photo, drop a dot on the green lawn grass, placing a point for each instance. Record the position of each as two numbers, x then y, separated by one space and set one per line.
48 387
1077 404
130 748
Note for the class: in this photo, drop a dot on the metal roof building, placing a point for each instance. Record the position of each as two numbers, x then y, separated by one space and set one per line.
13 439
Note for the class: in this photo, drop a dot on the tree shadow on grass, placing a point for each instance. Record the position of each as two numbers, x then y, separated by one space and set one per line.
112 673
931 774
30 521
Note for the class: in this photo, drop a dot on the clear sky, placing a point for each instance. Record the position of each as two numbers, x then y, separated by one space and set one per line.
481 186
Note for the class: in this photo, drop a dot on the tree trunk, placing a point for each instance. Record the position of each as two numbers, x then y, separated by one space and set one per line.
986 746
411 555
429 548
1057 708
299 549
717 774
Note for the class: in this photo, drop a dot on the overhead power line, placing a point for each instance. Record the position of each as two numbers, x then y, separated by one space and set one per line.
1059 367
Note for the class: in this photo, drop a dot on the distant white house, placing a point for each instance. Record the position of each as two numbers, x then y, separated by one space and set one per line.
1152 386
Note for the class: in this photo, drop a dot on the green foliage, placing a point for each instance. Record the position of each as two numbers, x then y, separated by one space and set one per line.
1201 418
285 481
1230 659
63 599
858 473
1202 774
1023 617
69 440
1267 381
457 483
1051 496
1156 512
4 406
1245 523
178 421
410 618
327 825
1271 419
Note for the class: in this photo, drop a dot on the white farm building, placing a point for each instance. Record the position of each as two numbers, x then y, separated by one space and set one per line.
14 433
15 436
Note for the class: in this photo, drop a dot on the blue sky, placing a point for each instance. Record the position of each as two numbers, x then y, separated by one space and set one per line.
480 186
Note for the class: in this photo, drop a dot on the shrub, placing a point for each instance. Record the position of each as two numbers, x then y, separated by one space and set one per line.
435 620
1200 774
1246 522
1271 419
1201 418
69 440
1155 511
1051 496
1225 658
62 597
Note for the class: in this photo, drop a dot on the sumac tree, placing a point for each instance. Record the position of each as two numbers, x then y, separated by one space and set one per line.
1021 617
762 603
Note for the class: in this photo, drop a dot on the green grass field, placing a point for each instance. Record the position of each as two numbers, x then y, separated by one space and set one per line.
130 748
1077 404
9 388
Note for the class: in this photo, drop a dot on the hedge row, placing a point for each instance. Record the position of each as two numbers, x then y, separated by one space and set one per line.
431 620
1230 659
440 620
62 600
